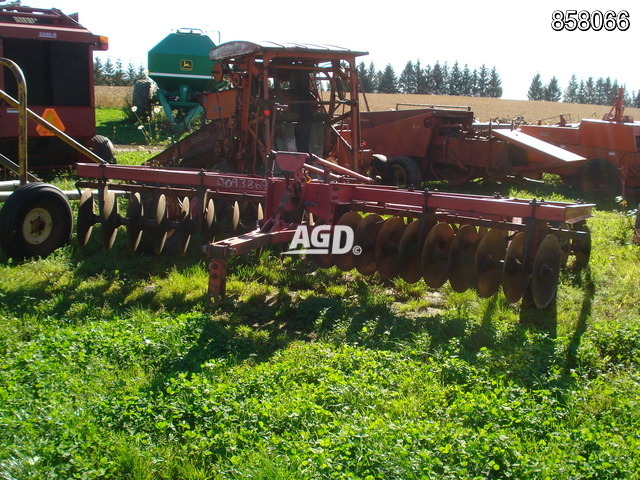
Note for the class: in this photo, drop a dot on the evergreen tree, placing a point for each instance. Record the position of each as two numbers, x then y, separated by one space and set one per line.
108 70
571 92
131 75
600 94
427 85
438 81
373 77
388 81
536 90
408 83
552 91
494 87
366 79
589 91
455 80
118 78
609 93
421 78
445 79
482 82
582 93
467 82
474 83
613 93
98 75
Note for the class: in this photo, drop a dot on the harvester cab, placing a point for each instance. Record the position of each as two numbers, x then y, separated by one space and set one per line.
287 97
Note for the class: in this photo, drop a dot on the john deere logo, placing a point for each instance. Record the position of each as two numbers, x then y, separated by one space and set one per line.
186 65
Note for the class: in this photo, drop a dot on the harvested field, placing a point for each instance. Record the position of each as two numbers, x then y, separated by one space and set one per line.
484 109
112 97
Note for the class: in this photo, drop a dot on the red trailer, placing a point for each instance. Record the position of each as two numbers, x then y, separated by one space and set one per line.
55 54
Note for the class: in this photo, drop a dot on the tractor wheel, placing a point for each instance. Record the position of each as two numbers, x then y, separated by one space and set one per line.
141 98
35 220
403 171
103 148
599 180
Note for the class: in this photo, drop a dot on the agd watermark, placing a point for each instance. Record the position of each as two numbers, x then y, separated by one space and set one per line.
323 239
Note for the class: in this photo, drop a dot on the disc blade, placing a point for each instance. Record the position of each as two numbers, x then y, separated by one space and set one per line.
109 217
386 248
345 261
135 214
208 221
462 258
489 262
365 237
514 277
435 254
546 271
236 216
86 217
260 212
184 230
409 253
159 230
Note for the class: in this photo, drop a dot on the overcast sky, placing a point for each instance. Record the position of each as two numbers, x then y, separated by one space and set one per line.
514 36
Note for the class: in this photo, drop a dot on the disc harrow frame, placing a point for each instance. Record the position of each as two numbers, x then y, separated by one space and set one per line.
472 241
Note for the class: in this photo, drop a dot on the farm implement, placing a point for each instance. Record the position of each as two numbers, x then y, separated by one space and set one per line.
611 147
55 55
280 158
472 241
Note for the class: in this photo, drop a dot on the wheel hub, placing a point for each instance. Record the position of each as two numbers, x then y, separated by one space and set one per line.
37 226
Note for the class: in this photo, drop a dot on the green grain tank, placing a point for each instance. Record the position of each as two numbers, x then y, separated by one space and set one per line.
182 60
179 70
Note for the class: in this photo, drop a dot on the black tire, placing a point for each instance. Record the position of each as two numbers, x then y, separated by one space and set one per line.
599 180
142 98
103 148
403 171
35 220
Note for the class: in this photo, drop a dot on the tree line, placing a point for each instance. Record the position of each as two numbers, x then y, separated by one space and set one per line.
115 74
601 91
437 79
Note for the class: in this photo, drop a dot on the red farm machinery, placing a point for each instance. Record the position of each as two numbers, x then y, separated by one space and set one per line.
444 144
611 147
281 156
601 158
55 54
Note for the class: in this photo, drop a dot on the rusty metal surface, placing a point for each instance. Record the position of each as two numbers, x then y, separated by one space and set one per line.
237 49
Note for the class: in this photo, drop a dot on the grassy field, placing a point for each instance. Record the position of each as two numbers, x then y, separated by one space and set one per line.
114 366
